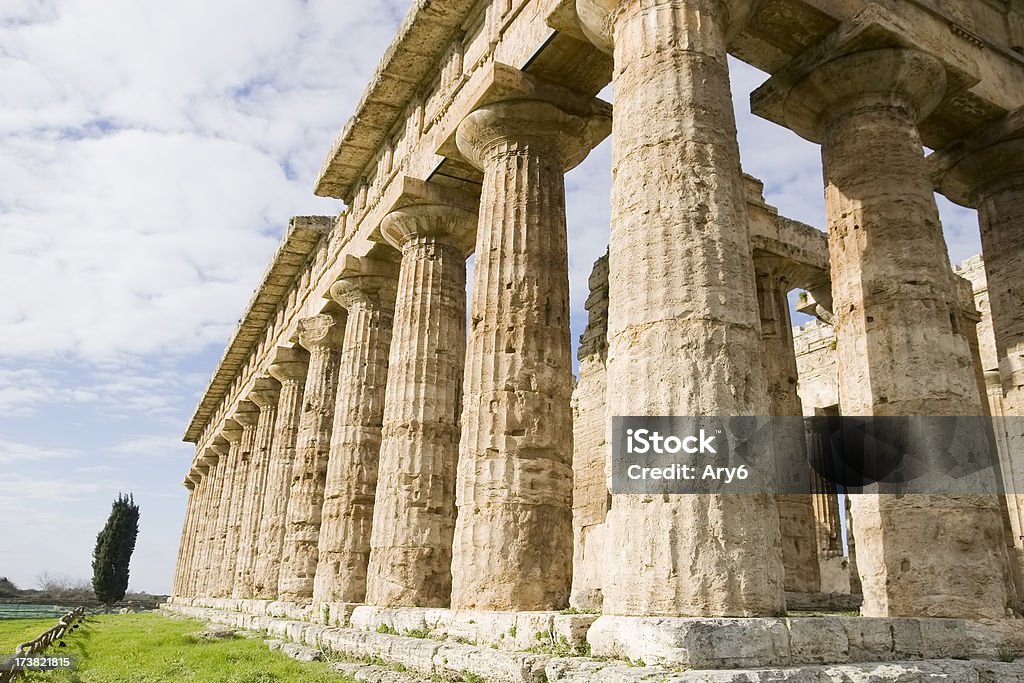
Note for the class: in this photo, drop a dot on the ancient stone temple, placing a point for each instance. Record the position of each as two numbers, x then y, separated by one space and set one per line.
386 449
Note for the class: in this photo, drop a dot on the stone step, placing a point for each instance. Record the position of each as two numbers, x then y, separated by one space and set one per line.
453 661
372 673
940 671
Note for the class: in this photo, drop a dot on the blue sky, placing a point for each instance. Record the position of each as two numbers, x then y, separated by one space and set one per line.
151 154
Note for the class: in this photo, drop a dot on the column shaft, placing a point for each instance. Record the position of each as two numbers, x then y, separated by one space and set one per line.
796 511
179 565
414 513
255 490
218 540
344 544
513 534
899 350
237 501
683 327
195 534
321 335
1001 214
279 482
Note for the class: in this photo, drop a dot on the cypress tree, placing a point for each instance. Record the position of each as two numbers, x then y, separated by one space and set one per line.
114 547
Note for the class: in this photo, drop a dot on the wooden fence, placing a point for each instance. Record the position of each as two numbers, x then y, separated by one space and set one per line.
44 640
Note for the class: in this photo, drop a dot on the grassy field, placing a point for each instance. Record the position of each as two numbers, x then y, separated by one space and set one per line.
145 647
14 632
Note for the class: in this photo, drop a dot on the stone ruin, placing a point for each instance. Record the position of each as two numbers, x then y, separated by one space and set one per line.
372 460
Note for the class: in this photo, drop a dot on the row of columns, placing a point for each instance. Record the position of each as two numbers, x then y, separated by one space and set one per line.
365 484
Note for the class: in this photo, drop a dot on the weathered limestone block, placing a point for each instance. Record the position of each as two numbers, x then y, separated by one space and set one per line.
289 368
513 535
414 513
367 291
896 318
321 335
796 512
231 431
265 395
683 326
247 415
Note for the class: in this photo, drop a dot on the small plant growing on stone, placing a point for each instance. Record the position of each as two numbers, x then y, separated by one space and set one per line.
1004 655
418 633
512 630
387 630
470 677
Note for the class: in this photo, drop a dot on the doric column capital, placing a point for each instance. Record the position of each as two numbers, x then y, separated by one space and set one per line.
246 413
230 431
807 99
529 125
989 160
265 393
289 364
448 224
598 18
366 280
323 330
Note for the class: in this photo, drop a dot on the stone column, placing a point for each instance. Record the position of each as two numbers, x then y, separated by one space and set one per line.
414 513
232 433
209 520
321 335
986 171
683 328
192 567
368 294
265 395
896 319
513 536
590 458
289 368
796 511
183 543
247 415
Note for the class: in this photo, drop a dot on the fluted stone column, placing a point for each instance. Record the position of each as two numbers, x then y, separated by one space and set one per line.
265 395
321 335
683 326
211 502
183 544
202 490
289 368
986 171
513 535
232 433
414 512
247 415
344 544
797 524
896 316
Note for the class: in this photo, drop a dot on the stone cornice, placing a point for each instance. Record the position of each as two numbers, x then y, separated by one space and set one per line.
304 233
411 58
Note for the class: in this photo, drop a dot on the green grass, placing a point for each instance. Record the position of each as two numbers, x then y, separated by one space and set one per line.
149 647
14 632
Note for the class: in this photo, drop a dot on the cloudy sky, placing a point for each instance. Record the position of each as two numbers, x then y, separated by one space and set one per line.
151 154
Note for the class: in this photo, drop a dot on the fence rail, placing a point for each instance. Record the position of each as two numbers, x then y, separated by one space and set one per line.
44 640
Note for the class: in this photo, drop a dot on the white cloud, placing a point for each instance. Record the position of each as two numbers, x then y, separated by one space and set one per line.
14 452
